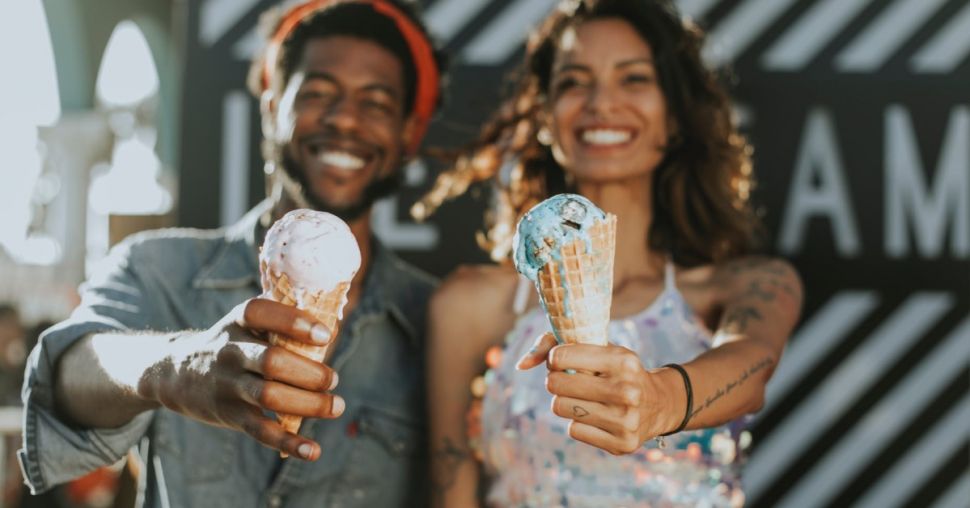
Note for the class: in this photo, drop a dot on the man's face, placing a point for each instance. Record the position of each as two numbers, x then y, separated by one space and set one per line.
340 126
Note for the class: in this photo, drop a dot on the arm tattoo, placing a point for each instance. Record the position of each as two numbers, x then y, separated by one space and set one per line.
737 320
709 401
445 461
758 265
756 291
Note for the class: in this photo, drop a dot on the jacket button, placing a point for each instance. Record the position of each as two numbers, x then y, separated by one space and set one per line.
275 501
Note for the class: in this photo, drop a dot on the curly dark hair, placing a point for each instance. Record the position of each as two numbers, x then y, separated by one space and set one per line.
701 209
351 19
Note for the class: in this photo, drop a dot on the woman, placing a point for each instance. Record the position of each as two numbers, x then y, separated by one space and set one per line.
615 105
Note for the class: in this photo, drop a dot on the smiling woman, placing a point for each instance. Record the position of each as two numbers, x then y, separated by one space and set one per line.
615 105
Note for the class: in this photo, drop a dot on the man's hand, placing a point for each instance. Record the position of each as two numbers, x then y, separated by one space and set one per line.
613 402
229 375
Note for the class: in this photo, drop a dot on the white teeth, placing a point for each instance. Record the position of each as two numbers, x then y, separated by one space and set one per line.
605 136
342 160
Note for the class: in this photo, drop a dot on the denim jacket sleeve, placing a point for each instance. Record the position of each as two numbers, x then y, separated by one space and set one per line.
54 452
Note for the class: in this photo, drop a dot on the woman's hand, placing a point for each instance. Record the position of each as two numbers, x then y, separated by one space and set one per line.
613 402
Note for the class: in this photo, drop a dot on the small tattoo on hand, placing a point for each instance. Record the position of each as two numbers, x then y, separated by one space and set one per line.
579 412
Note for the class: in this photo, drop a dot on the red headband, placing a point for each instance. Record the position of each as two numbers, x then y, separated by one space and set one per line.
426 88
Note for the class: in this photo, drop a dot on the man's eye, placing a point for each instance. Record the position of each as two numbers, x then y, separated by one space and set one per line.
378 105
313 95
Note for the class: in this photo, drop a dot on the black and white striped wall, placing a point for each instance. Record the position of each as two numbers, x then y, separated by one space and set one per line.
859 111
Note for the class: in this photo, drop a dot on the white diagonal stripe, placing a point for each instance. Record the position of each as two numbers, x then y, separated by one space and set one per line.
948 47
827 328
695 9
852 377
956 496
740 28
883 422
447 17
924 458
216 17
886 34
796 48
506 32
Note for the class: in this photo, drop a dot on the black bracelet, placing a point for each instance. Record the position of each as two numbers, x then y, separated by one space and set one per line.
690 398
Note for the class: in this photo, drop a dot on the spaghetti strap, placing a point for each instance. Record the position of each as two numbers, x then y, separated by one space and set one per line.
669 282
521 300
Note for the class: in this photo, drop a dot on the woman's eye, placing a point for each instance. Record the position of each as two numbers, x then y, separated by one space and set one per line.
564 84
638 78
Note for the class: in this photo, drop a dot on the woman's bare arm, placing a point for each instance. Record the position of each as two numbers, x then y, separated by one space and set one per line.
469 313
616 404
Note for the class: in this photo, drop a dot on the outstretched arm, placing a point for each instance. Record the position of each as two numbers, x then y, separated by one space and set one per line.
616 404
225 376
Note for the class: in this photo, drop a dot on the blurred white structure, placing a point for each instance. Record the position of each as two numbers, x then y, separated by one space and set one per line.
65 175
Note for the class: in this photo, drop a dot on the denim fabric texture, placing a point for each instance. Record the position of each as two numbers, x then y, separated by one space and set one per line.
178 279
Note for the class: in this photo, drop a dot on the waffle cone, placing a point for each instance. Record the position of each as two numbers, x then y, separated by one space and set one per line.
324 306
577 291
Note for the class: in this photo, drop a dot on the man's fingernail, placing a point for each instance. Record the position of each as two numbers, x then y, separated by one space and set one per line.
302 325
333 381
338 405
521 363
320 334
305 450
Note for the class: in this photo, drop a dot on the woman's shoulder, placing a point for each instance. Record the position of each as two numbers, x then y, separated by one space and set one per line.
757 275
475 290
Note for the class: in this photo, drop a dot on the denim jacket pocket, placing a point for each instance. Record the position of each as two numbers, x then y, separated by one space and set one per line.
384 462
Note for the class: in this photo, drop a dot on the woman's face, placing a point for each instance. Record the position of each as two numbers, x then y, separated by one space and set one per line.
606 111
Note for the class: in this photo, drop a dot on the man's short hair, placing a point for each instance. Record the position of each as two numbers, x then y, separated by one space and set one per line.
349 19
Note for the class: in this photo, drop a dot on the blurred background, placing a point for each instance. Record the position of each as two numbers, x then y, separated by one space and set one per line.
118 116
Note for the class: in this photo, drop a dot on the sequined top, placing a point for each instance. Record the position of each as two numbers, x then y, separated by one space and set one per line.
532 461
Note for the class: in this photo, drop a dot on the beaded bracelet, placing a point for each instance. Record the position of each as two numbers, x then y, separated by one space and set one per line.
690 398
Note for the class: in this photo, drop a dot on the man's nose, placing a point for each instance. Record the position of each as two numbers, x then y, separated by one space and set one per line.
342 115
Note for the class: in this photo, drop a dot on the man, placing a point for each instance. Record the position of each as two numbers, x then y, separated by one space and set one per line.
167 351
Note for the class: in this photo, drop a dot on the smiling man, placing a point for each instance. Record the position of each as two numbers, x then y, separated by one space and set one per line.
167 352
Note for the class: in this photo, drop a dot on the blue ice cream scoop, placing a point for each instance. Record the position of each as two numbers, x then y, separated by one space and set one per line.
548 226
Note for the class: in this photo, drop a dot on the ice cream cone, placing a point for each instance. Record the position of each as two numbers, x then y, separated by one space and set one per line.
325 306
577 289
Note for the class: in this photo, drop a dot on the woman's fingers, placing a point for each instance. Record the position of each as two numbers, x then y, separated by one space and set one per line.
607 390
286 399
602 439
537 354
608 360
615 420
269 316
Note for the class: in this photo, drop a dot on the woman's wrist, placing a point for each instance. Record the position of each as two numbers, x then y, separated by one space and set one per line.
678 388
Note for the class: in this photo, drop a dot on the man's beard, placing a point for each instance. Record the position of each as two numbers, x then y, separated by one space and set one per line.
297 187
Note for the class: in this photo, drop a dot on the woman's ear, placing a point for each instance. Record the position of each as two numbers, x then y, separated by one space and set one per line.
544 133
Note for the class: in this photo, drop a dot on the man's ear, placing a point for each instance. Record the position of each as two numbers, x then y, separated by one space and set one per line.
267 109
408 133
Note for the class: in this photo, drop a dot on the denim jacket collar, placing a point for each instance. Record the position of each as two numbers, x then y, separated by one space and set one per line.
236 266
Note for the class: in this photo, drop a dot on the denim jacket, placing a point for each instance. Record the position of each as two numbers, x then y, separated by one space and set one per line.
373 455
